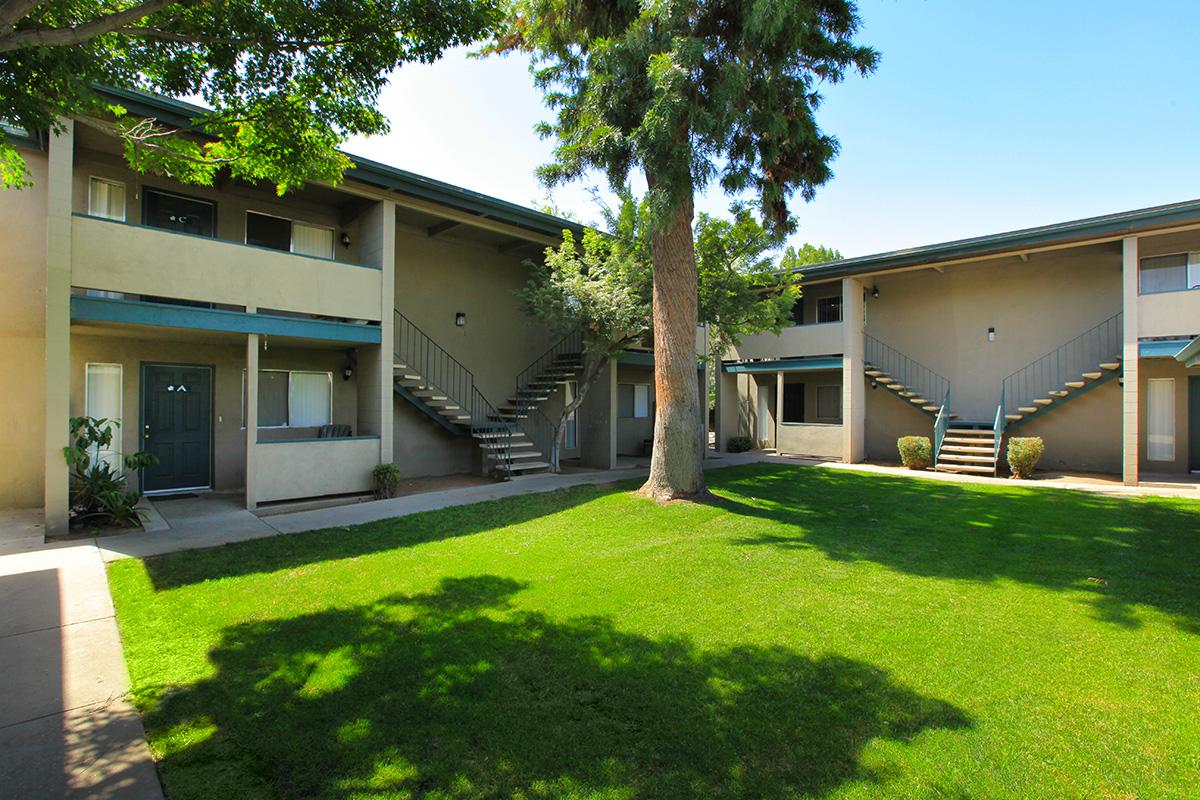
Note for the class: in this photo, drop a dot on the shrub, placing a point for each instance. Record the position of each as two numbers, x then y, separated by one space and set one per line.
916 452
100 493
1023 455
739 444
387 478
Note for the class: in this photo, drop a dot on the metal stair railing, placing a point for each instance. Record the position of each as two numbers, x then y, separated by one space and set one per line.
998 433
570 344
919 378
940 425
1067 362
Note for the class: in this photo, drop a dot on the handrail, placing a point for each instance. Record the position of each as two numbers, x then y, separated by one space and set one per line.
940 425
1068 362
998 433
441 371
913 374
571 343
537 429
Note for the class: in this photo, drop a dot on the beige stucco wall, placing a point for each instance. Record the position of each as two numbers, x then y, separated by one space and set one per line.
810 439
289 470
941 319
1084 434
798 340
1169 313
22 339
228 360
1166 368
887 419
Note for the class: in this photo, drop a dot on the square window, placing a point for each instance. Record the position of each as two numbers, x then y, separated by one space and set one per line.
829 402
106 199
829 309
266 231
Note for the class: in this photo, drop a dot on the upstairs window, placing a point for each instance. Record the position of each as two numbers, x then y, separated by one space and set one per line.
829 309
106 199
280 233
1170 273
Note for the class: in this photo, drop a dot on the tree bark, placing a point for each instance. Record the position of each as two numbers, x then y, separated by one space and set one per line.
675 462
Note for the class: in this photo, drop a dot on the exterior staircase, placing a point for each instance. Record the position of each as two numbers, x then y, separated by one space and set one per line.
905 379
1074 368
969 448
440 387
538 382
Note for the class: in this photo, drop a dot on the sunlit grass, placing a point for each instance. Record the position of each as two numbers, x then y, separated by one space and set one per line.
809 633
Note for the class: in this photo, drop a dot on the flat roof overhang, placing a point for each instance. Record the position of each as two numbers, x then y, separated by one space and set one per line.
1189 354
803 364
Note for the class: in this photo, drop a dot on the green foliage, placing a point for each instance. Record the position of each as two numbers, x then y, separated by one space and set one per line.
99 491
1023 455
916 452
387 478
739 444
794 260
690 92
286 80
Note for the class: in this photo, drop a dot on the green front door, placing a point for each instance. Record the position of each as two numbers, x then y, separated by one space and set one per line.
177 426
1194 423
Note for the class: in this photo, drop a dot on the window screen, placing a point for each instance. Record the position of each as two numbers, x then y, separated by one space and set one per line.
829 402
265 231
625 400
272 399
641 400
103 401
106 199
311 240
829 309
793 402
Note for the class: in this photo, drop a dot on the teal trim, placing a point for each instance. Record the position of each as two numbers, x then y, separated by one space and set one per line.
639 358
1162 348
457 430
223 241
1103 379
1110 225
806 364
311 439
165 315
178 113
1190 354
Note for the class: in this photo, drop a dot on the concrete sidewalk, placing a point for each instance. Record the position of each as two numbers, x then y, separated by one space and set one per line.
67 729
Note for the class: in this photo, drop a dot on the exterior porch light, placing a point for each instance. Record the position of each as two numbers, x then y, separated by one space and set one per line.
875 292
460 319
345 239
347 372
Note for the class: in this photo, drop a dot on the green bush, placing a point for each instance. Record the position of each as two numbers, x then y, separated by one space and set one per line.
387 478
916 452
99 493
739 444
1023 455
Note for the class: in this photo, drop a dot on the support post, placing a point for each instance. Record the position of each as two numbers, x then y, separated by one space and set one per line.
1130 411
59 178
387 356
854 395
778 409
252 346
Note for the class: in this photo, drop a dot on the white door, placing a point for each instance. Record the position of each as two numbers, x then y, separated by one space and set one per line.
764 413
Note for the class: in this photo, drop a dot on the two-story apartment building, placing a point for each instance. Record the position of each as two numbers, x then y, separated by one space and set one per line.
1083 333
280 346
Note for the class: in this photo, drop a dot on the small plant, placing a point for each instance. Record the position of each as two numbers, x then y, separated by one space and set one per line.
739 444
1023 455
916 452
100 492
387 478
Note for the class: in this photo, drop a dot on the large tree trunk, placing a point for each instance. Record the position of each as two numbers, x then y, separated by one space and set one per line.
675 463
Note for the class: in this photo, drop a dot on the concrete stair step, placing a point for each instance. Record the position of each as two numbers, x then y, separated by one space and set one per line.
499 434
1075 384
1014 417
930 408
884 379
963 468
525 466
1044 401
516 445
966 458
970 432
971 441
1028 409
918 401
515 455
966 448
1091 376
1111 365
1058 393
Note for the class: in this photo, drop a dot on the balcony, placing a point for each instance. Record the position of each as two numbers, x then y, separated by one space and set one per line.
1169 314
290 468
134 259
800 340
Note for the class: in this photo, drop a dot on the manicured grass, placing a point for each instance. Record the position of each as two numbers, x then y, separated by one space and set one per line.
812 633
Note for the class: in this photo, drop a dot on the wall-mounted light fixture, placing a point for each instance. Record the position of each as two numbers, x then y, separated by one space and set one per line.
345 239
460 319
347 372
991 334
875 292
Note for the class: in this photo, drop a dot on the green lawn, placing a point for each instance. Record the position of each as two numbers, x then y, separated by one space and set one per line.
811 633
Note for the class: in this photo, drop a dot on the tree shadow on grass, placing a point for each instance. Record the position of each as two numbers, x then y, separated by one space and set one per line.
296 550
1121 552
457 694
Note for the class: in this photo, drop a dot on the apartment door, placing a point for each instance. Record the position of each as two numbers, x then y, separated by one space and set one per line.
1194 423
176 212
177 426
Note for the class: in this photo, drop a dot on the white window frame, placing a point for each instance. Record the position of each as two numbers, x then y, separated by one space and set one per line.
110 182
117 434
289 372
1168 451
292 221
841 311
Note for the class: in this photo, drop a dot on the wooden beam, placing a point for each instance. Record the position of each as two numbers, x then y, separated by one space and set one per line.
441 227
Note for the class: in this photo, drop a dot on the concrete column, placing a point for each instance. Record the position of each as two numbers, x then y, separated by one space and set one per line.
1130 435
596 421
59 180
729 408
252 349
386 324
854 395
778 407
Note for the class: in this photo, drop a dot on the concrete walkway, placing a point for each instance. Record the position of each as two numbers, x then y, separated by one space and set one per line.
67 729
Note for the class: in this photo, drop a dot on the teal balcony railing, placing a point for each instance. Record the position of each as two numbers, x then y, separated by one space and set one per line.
1068 362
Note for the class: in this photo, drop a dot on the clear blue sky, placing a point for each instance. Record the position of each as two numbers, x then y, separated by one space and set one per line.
982 117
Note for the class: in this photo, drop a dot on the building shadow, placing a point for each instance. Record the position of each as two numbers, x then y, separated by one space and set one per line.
1119 552
459 693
